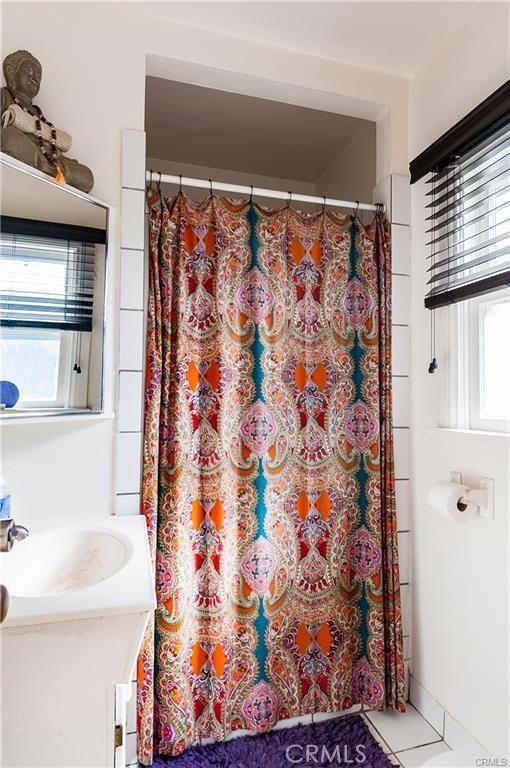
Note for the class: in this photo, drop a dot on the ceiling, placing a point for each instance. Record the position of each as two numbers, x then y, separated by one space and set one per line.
394 37
218 129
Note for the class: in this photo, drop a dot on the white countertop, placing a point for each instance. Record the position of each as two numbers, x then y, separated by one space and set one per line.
129 590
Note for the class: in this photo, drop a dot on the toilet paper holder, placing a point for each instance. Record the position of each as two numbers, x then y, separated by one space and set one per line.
482 497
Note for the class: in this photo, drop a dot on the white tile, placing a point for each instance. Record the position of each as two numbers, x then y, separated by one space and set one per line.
457 738
402 445
401 249
382 194
243 732
407 648
131 340
404 557
130 401
405 604
128 462
131 758
400 200
414 758
133 158
131 279
400 350
401 404
427 706
131 711
133 219
403 499
375 733
403 730
400 286
127 504
320 716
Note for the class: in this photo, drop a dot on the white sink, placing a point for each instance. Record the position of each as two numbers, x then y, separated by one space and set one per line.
68 570
80 597
64 560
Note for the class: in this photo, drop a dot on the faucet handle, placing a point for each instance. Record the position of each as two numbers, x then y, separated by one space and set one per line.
10 532
18 532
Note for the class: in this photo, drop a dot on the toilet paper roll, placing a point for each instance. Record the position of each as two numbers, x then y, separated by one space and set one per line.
445 498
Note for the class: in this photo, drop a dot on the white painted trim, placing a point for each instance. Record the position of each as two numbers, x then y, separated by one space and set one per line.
54 417
261 87
477 434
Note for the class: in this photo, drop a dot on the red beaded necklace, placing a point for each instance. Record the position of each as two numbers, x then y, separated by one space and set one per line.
51 155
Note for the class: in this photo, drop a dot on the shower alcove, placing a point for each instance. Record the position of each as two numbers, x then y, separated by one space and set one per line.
204 133
231 128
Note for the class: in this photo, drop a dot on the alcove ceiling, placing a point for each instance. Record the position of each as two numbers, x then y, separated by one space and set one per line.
218 129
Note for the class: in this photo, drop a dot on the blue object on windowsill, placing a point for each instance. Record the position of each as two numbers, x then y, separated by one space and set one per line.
9 394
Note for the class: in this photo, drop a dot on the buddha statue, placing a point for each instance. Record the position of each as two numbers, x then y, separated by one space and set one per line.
26 134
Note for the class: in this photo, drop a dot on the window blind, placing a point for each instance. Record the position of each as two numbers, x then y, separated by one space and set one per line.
468 203
46 282
468 206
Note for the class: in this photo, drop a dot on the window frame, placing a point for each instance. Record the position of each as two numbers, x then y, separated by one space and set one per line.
477 311
71 390
465 365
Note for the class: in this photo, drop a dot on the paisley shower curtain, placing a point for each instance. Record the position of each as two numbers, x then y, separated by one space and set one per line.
268 483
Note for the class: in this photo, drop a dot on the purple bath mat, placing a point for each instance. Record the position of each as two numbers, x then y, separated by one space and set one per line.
341 742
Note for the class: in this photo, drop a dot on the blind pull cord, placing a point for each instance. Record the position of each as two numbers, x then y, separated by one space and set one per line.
433 362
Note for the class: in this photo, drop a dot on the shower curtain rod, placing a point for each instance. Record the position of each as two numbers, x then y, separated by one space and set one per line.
259 191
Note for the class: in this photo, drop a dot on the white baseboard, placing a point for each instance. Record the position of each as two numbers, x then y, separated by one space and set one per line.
447 727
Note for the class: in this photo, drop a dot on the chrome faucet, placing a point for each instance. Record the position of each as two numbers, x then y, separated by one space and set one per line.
10 532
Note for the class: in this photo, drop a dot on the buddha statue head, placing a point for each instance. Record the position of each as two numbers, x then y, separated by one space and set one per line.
23 73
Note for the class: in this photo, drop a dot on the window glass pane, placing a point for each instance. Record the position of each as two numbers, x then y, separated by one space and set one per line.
494 360
30 360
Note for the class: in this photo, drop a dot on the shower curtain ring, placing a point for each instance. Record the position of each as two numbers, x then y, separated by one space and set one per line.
324 204
180 182
210 188
289 198
251 193
357 209
150 179
158 183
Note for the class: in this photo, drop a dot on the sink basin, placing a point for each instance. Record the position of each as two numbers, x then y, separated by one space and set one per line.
69 569
81 592
64 560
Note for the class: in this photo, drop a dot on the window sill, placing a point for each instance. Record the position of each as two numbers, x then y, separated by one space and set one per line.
52 416
471 434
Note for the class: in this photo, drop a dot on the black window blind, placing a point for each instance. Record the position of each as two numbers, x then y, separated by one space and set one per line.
468 204
469 223
46 282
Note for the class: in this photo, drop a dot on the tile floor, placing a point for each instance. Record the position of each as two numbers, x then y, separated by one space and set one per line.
408 739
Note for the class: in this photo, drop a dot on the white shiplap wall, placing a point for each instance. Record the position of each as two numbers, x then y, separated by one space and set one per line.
131 354
394 191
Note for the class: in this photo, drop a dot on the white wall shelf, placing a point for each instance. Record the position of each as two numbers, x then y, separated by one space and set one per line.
53 417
